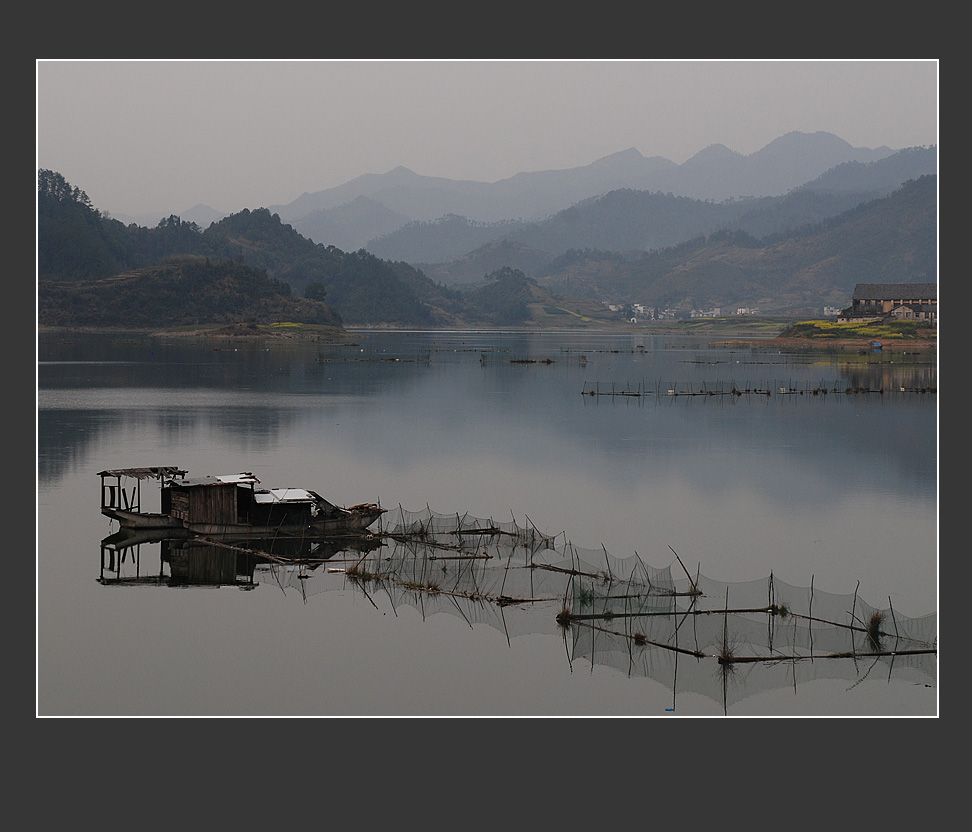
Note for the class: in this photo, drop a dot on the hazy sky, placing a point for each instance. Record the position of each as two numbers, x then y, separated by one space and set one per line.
163 136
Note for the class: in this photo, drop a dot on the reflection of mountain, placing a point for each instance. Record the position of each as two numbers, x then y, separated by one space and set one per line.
90 386
404 395
63 437
726 641
64 434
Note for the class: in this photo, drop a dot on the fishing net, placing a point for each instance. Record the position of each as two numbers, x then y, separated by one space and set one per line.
724 640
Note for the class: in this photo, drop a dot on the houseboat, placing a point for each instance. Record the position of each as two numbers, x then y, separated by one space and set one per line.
232 505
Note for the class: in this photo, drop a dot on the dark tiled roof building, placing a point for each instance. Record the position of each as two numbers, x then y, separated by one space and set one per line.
917 301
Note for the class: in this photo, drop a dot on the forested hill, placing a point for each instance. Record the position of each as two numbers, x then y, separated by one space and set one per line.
186 290
78 249
250 266
887 240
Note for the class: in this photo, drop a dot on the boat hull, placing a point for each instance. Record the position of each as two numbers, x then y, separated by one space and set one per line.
350 524
125 538
141 520
349 521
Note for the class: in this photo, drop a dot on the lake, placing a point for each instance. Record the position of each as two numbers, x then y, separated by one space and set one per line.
733 467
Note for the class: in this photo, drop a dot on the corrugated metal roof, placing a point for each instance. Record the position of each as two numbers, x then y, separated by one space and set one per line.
156 472
244 478
284 495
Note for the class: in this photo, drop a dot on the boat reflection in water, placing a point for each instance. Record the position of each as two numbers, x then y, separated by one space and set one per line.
188 560
726 641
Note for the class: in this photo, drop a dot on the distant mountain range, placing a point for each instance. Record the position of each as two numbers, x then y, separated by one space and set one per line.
890 239
642 220
352 215
362 211
714 173
599 260
789 229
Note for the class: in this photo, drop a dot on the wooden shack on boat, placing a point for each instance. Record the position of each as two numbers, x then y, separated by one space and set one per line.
223 500
226 505
216 501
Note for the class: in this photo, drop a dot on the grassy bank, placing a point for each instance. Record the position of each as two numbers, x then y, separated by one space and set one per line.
877 331
277 330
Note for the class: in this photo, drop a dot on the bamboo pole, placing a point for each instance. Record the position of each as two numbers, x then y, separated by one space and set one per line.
687 575
726 659
846 654
893 620
643 613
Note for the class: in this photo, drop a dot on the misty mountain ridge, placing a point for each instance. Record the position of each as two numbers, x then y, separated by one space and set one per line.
599 224
627 219
354 224
82 256
715 172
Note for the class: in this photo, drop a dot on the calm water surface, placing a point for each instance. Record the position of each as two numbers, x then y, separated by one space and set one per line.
818 486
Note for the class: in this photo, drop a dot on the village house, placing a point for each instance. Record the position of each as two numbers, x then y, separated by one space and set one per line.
895 301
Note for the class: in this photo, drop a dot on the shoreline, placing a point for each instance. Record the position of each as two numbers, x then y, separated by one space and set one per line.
858 345
720 337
